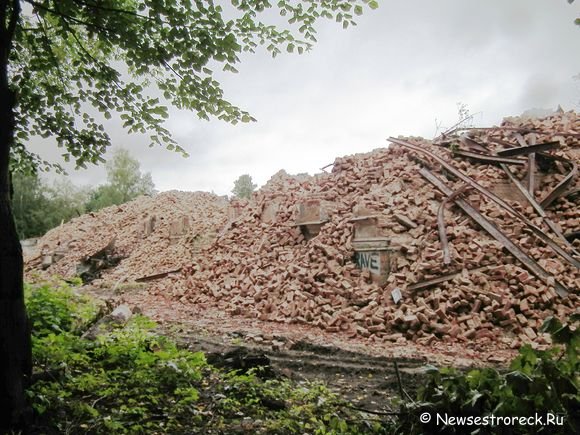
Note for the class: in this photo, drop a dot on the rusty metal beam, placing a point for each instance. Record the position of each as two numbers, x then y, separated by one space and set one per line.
561 188
441 224
488 158
528 262
528 149
532 201
470 143
451 169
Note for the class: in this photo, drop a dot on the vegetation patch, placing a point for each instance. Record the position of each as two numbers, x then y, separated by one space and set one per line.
539 385
132 380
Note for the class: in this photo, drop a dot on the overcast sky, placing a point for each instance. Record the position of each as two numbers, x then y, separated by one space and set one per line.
404 67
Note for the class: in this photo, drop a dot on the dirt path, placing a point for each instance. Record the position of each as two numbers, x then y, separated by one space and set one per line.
366 381
361 371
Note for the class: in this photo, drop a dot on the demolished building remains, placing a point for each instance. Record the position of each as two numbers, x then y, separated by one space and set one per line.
471 236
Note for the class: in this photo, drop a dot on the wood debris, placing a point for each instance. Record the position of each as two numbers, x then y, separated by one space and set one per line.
255 261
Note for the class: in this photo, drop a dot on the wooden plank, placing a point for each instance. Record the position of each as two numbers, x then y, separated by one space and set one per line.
528 149
531 173
157 275
528 262
441 224
474 145
532 201
536 230
495 160
434 281
561 188
363 218
532 168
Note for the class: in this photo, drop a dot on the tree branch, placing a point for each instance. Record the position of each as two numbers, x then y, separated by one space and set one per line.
7 29
170 68
42 24
94 59
135 107
68 17
121 11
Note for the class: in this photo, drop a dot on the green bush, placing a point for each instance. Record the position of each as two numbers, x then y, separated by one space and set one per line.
128 381
133 381
55 308
537 383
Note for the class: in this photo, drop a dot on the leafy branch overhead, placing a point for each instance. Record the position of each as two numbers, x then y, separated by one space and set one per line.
71 57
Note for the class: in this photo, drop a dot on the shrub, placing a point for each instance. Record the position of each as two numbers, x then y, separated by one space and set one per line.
132 381
537 383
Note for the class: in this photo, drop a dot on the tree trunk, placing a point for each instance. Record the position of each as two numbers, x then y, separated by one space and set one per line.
15 349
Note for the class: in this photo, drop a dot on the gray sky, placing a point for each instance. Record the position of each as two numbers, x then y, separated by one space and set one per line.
403 67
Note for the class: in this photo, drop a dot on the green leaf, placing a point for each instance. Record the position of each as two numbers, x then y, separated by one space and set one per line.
163 44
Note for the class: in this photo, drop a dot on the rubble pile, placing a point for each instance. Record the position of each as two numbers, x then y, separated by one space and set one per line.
267 266
149 235
472 237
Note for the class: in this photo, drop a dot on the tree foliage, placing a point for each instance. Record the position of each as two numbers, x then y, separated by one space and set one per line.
125 182
77 62
243 187
577 21
133 381
28 203
67 65
39 206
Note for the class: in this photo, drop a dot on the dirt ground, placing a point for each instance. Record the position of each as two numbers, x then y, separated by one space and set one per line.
360 371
